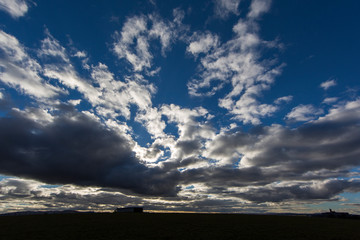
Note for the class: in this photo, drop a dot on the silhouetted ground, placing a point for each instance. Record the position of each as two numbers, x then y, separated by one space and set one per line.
175 226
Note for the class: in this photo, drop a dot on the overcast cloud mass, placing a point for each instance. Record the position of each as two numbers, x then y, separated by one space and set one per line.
218 106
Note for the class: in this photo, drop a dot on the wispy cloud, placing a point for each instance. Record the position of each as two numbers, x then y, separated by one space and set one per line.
16 8
304 113
259 7
236 62
330 100
21 71
223 8
285 99
328 84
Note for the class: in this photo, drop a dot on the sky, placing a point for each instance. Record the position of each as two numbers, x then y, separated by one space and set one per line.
247 106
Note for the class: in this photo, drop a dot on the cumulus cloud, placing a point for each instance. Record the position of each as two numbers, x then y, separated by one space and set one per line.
328 84
16 8
327 143
133 42
202 43
304 113
80 54
266 164
75 149
236 62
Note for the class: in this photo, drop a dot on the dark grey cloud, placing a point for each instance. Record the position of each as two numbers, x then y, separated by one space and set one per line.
330 143
5 101
76 149
188 147
300 191
61 197
283 164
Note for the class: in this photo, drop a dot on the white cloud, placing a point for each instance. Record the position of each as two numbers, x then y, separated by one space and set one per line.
108 96
75 102
237 62
133 42
80 54
304 113
50 47
345 111
151 119
16 8
20 71
259 7
38 115
132 33
202 43
327 84
223 8
67 76
285 99
330 100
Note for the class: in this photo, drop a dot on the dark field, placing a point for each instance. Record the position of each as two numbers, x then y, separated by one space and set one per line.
175 226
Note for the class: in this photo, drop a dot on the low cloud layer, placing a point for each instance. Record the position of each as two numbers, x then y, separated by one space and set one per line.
71 148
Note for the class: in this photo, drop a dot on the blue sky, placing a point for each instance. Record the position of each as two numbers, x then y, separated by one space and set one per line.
223 105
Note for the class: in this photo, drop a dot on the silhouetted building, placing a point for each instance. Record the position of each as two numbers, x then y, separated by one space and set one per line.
129 210
333 214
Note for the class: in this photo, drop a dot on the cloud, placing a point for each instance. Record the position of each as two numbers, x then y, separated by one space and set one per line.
50 47
259 7
109 96
285 99
59 151
322 148
223 8
202 43
133 42
330 100
89 145
80 54
317 190
19 194
188 127
328 84
20 71
237 63
266 164
304 113
16 8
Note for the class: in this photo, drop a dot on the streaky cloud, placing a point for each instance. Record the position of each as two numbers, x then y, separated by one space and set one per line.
16 8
